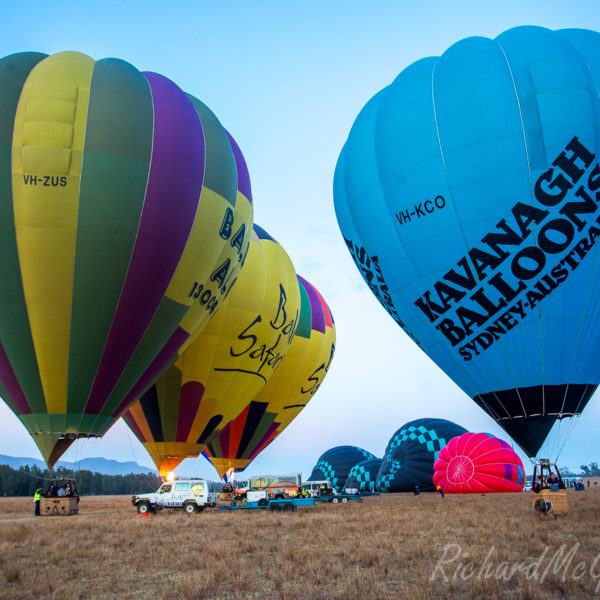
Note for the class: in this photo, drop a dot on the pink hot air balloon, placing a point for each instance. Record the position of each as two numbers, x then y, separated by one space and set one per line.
475 463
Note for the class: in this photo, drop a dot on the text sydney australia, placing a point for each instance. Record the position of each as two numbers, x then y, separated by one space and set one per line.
529 255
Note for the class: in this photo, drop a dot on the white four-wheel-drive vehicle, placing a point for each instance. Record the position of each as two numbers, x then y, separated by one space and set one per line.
189 494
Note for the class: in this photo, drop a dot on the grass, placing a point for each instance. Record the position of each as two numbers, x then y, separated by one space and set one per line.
385 547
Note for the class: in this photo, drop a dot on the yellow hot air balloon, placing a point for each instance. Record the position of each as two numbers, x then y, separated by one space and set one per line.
287 392
117 197
227 364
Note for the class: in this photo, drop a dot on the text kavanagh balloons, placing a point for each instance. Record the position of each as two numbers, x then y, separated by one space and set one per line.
468 196
118 194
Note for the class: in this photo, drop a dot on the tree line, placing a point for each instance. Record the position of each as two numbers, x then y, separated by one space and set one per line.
591 470
25 480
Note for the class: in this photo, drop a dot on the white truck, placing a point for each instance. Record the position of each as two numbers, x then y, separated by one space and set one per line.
191 495
315 489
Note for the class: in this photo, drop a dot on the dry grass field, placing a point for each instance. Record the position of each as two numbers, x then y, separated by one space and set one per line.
385 547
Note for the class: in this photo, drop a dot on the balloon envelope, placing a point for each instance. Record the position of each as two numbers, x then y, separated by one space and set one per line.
363 476
467 195
412 451
116 195
227 363
478 463
335 465
286 393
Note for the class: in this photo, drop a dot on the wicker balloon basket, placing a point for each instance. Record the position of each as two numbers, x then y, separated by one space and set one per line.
550 503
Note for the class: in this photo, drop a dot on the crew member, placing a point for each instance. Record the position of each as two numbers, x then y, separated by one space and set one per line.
37 497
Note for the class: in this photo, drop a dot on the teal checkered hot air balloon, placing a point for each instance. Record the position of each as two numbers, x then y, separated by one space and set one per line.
411 453
335 465
363 476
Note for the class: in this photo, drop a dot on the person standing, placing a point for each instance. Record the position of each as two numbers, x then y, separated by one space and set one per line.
440 489
37 497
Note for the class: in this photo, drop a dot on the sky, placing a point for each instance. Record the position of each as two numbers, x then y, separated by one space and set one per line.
287 79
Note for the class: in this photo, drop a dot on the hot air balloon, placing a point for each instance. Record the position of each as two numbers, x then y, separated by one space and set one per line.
476 463
411 453
288 391
363 476
111 220
335 465
227 363
467 195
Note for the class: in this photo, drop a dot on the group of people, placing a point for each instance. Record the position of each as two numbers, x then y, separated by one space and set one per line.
60 491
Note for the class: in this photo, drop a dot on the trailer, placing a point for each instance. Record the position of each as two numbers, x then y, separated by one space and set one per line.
260 500
335 498
277 486
323 491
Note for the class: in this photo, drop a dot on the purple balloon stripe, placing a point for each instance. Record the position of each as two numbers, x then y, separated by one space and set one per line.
316 308
242 169
190 399
11 383
508 472
173 190
134 426
163 358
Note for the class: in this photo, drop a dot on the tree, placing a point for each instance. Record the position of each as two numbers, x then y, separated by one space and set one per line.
24 481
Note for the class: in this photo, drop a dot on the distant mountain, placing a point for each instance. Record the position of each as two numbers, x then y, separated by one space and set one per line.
96 465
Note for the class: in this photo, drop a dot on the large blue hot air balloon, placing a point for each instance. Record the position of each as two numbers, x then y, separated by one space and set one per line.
468 196
335 464
412 451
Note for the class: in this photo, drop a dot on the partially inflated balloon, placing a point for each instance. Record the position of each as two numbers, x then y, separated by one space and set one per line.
411 453
467 193
288 391
117 196
227 364
363 476
335 465
476 463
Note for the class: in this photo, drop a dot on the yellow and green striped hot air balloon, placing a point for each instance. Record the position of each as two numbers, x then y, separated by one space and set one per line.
287 392
118 198
227 364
